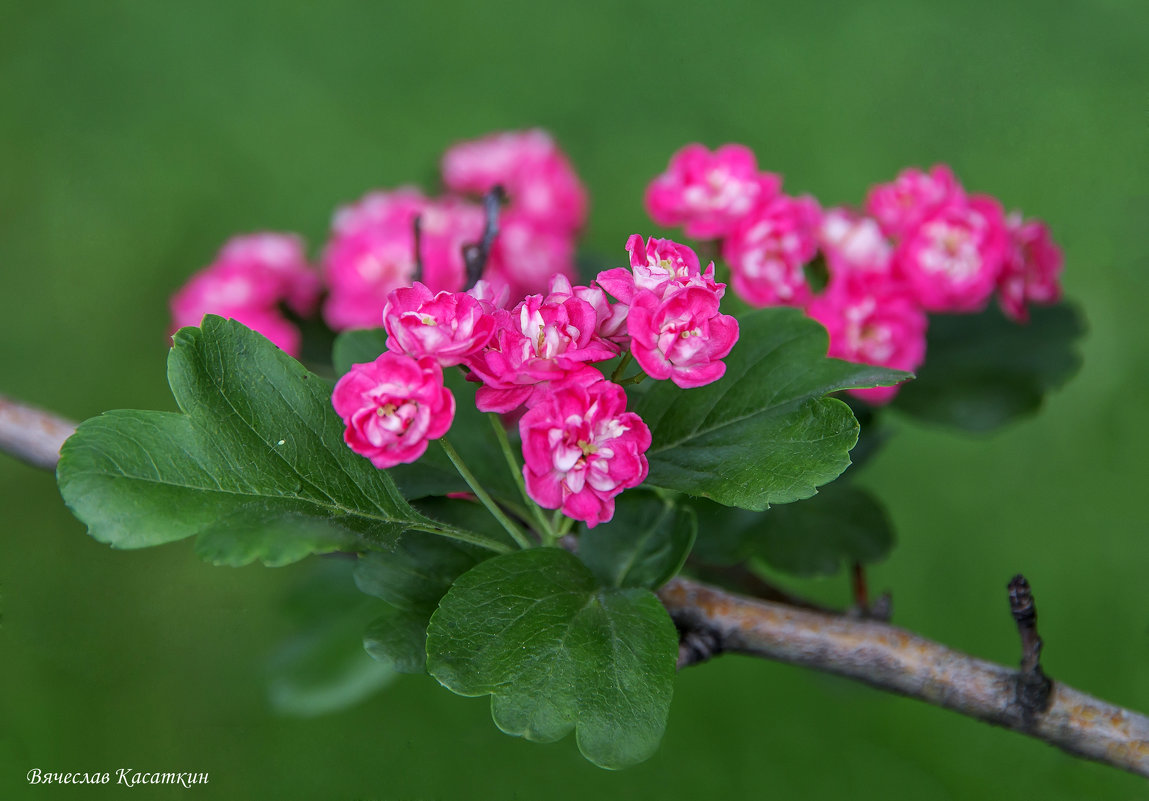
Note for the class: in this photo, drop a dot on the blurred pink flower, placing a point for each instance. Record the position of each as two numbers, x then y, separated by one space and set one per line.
768 250
708 193
954 257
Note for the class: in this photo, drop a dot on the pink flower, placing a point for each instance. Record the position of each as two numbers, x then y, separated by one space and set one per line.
281 262
682 337
539 180
660 266
1032 268
610 317
953 259
900 205
526 256
768 249
542 341
854 246
581 448
372 251
708 193
448 327
881 326
392 407
248 280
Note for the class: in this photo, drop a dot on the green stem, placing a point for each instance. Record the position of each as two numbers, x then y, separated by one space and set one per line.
545 529
462 535
634 379
565 527
617 374
516 533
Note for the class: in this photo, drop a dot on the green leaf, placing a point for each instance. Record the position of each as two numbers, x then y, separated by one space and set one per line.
413 577
983 371
322 667
255 466
470 434
765 433
841 524
397 639
358 346
556 651
644 545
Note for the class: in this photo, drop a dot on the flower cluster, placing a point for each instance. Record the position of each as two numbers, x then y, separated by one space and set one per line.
372 249
537 360
921 244
249 280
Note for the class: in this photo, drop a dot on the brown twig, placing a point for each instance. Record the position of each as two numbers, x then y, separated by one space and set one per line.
32 435
898 661
712 621
475 255
1033 686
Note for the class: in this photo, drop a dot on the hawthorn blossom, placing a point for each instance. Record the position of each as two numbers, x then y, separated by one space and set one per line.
854 246
902 204
882 326
708 193
581 448
953 259
448 327
372 251
660 266
681 337
1032 268
769 248
540 182
248 280
392 407
542 342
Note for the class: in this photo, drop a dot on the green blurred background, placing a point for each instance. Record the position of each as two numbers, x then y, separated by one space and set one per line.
136 136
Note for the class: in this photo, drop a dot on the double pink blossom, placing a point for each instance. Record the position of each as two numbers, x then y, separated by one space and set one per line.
899 206
879 325
682 336
708 193
659 266
1032 269
448 327
952 260
769 248
248 280
540 343
581 448
392 407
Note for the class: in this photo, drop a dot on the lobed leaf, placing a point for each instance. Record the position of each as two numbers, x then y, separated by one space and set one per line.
841 524
255 466
644 545
556 651
984 370
765 433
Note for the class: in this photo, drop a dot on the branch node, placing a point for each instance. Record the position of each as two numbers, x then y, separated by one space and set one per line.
1034 688
697 645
